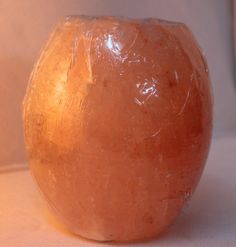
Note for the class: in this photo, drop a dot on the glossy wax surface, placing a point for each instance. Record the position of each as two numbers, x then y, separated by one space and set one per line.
117 120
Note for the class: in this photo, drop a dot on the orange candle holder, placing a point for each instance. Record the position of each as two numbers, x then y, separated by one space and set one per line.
118 120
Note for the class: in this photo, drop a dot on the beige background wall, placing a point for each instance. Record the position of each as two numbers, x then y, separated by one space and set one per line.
26 24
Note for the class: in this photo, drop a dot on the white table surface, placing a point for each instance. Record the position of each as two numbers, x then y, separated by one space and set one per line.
210 220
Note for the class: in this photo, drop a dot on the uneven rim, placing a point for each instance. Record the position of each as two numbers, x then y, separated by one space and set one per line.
72 18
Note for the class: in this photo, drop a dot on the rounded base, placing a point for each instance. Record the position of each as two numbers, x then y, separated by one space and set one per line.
140 239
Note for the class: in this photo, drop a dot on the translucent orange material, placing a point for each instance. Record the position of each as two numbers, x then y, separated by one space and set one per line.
118 120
